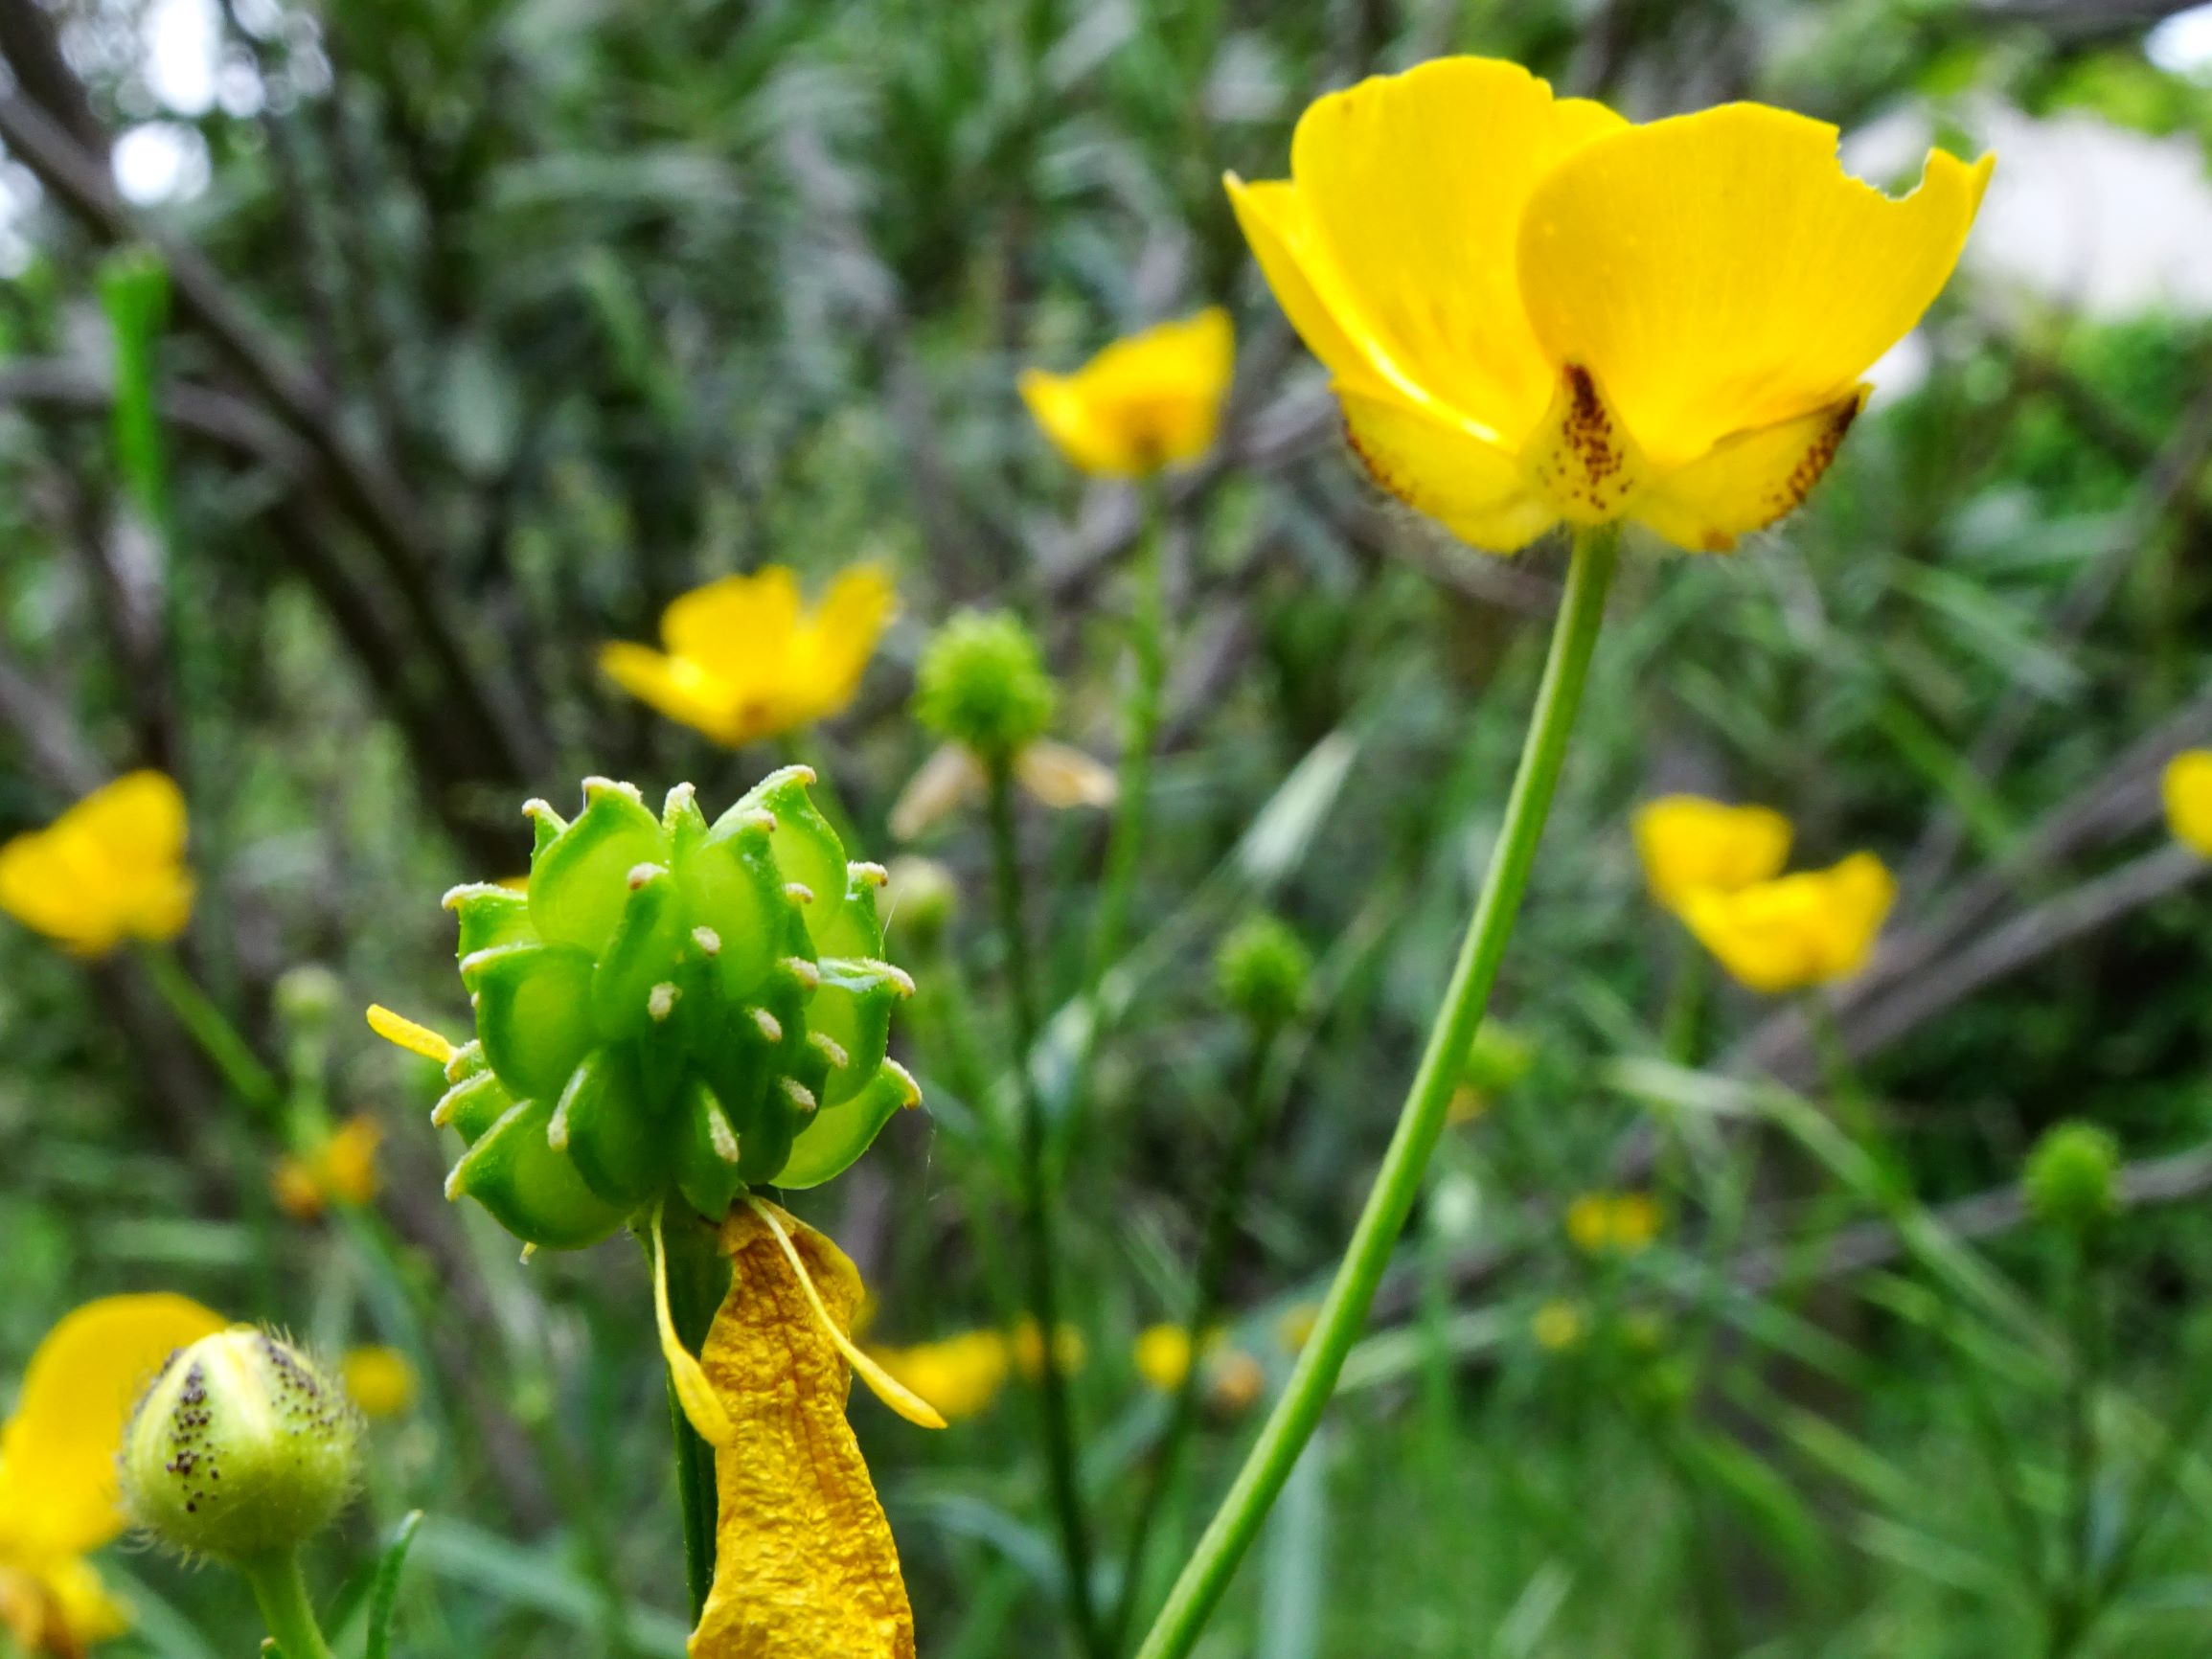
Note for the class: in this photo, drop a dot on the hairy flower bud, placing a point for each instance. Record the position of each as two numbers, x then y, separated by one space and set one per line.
982 684
241 1447
1262 970
2071 1177
671 1006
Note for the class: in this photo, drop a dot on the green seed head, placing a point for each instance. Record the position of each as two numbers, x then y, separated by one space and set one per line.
307 997
1262 970
672 1007
2072 1177
241 1446
982 684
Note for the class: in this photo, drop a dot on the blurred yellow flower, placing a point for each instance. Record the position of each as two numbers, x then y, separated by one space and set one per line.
1162 1356
1623 1223
342 1170
1067 1349
961 1375
1234 1380
58 1488
109 869
1558 1324
1148 401
1687 843
1536 311
1295 1328
382 1381
2187 787
1801 930
745 659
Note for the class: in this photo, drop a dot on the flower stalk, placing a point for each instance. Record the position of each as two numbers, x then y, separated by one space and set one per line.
282 1594
1140 732
1313 1380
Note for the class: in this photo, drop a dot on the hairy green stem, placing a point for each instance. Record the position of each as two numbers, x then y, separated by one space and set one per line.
1298 1412
1211 1287
208 1026
698 1278
1041 1247
282 1594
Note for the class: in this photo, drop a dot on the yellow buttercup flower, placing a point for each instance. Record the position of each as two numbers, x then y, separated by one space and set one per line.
1536 311
1801 930
57 1483
2187 787
1687 843
1619 1222
381 1380
1151 400
342 1170
961 1375
1558 1324
109 869
747 659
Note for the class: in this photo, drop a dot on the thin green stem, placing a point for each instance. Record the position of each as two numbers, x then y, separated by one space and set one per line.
2073 1606
208 1026
1298 1412
1140 732
282 1595
698 1278
1037 1212
1211 1287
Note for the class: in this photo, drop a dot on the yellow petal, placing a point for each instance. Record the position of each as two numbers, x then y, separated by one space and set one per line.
685 1375
807 1566
1146 401
1802 930
1747 482
1582 458
948 779
677 686
737 628
1687 842
960 1375
1298 267
2187 787
404 1032
381 1380
840 635
1453 473
109 868
1720 272
1163 1356
58 1608
1058 775
1416 183
57 1452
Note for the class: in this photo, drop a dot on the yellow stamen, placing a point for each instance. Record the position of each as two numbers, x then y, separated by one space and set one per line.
699 1401
881 1382
416 1039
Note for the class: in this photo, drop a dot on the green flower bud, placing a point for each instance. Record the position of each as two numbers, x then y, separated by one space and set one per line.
982 684
1261 970
2071 1177
672 1008
307 996
920 900
241 1447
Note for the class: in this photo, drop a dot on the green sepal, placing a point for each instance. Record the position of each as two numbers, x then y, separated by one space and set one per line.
610 1132
642 954
579 880
473 1105
531 1189
545 825
708 1180
731 888
839 1135
807 849
491 916
853 1008
533 1015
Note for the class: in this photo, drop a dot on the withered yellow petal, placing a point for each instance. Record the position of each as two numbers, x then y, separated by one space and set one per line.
686 1374
404 1032
1686 843
948 779
805 1564
2187 788
57 1490
1720 272
1062 776
1470 485
1416 183
1747 482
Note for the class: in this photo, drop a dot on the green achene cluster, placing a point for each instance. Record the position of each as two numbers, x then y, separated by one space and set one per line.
673 1006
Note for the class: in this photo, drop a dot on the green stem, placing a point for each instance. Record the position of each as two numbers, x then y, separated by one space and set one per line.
212 1029
1037 1213
1212 1285
1140 732
283 1595
698 1278
2073 1607
1298 1412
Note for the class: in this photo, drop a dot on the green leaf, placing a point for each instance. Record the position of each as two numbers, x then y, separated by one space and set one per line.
383 1597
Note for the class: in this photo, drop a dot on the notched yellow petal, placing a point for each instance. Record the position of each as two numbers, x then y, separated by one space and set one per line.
1749 481
806 1567
404 1032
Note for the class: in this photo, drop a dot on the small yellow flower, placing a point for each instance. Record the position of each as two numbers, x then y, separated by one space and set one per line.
2187 787
1687 843
109 869
1162 1356
382 1381
342 1170
1067 1349
1558 1324
961 1375
1151 400
1622 1222
58 1483
1535 312
1801 930
745 659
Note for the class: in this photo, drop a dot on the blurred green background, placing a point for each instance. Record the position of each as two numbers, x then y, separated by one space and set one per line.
489 327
